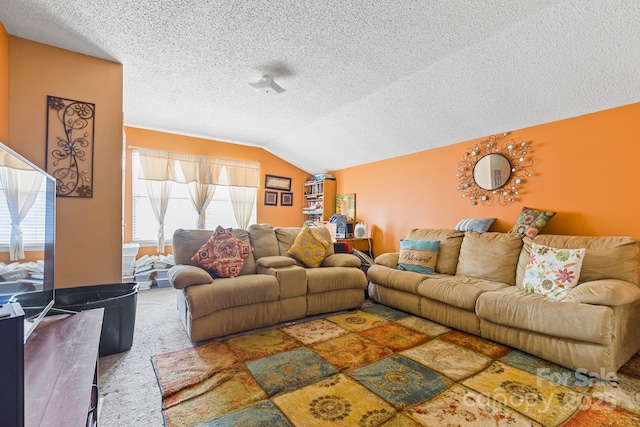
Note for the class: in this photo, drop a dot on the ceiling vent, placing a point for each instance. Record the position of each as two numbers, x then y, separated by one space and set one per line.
267 86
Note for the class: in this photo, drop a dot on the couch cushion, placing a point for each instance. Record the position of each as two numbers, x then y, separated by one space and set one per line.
227 293
552 272
275 261
263 240
389 277
517 308
491 256
605 257
341 260
611 292
448 249
309 248
335 278
187 242
458 291
223 253
418 255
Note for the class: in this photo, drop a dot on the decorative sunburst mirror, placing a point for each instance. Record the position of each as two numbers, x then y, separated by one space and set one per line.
494 170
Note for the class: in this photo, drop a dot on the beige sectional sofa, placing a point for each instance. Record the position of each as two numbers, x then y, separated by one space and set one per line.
272 287
477 287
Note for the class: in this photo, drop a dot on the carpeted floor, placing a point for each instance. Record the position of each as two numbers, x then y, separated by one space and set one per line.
129 394
128 390
381 367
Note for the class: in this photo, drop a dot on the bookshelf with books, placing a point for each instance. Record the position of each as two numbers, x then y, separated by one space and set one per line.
319 198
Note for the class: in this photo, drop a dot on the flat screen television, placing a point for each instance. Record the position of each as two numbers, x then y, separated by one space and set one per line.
27 198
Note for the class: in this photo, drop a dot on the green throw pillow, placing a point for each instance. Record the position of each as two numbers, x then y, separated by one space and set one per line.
418 255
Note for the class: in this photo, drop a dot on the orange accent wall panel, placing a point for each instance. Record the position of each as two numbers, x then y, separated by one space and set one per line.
88 231
586 170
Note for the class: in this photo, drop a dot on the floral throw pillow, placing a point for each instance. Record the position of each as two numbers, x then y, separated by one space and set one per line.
223 253
531 221
309 247
552 272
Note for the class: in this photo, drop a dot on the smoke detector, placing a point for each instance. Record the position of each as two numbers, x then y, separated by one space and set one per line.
267 86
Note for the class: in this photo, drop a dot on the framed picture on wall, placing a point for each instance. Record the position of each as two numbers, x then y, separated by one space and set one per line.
286 199
274 182
346 205
271 198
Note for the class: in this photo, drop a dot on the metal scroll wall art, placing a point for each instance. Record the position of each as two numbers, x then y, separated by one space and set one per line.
70 126
494 170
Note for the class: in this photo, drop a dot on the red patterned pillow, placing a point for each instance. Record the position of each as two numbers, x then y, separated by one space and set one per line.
223 253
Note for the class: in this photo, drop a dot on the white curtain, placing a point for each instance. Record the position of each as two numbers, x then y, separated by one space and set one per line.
21 188
243 178
158 169
201 196
202 173
242 200
159 193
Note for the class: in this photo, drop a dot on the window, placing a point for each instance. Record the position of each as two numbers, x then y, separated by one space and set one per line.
32 230
180 210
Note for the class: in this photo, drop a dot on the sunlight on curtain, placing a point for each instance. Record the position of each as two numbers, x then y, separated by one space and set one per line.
202 174
158 169
242 200
159 193
21 188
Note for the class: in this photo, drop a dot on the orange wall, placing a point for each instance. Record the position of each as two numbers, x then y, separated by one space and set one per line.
585 170
269 164
4 84
88 231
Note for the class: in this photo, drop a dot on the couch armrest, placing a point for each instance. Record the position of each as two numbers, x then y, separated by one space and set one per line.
388 260
341 260
611 292
275 261
181 276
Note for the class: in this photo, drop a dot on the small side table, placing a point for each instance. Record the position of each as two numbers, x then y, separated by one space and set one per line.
363 244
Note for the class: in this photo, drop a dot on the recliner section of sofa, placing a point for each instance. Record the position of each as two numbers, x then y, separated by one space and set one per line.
272 287
594 328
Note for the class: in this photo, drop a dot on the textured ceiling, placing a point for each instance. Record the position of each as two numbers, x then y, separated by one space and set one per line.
365 79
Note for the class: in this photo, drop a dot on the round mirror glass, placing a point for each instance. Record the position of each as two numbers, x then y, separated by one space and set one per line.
492 171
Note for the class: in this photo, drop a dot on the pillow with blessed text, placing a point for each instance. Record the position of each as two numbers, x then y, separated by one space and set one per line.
418 255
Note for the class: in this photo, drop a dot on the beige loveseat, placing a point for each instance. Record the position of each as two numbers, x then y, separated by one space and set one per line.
272 287
478 288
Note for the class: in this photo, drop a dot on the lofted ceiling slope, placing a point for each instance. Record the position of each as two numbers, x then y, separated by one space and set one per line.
365 80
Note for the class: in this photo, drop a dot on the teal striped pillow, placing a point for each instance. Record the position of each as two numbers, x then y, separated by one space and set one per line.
418 255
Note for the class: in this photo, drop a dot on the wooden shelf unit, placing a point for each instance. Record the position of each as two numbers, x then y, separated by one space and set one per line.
319 200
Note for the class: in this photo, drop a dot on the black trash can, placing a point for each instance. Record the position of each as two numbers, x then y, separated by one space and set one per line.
119 301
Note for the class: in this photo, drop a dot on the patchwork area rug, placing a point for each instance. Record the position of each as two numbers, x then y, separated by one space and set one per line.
377 366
